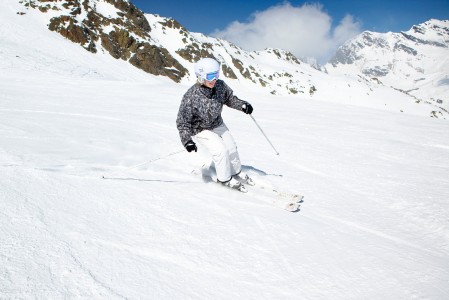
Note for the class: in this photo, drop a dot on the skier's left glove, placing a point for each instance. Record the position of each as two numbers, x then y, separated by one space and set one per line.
247 108
190 146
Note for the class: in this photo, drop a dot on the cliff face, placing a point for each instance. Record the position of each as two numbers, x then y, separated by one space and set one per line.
116 26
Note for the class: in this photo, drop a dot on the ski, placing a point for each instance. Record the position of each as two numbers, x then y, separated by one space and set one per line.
280 199
241 188
209 176
287 201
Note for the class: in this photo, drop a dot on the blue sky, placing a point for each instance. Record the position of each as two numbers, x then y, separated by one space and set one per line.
291 25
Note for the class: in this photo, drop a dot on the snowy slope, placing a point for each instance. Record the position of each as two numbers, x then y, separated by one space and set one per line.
374 223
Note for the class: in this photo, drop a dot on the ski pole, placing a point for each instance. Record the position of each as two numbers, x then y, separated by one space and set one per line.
147 162
277 153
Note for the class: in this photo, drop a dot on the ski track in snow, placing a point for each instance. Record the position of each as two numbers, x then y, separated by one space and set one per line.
377 233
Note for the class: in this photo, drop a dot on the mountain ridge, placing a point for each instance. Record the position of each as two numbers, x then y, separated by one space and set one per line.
122 30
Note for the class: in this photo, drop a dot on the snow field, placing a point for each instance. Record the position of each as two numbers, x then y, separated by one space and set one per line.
373 223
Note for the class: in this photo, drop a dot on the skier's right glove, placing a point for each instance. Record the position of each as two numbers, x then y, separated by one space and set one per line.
190 146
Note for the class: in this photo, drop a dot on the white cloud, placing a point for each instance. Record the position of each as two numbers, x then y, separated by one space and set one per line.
306 31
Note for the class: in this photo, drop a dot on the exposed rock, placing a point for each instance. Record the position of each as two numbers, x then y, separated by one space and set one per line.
171 23
135 17
69 28
227 71
239 65
158 61
193 52
119 43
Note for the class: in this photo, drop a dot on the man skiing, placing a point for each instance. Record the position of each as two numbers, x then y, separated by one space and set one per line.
199 118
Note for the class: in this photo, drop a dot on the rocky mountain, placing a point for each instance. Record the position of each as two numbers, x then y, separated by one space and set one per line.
117 27
415 62
162 46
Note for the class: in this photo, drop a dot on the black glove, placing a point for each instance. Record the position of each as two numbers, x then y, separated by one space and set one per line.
190 146
247 108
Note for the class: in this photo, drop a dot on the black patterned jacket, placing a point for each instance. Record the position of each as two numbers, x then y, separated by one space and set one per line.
201 108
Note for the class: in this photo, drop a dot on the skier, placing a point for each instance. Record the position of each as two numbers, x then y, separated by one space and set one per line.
199 118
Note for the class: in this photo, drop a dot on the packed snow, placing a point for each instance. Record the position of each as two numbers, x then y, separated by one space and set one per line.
374 223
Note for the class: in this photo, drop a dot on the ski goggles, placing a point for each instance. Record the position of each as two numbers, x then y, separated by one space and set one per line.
212 76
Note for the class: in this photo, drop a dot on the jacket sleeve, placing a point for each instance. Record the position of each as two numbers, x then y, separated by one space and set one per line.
184 120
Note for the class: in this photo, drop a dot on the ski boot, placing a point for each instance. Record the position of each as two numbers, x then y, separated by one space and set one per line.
244 178
235 184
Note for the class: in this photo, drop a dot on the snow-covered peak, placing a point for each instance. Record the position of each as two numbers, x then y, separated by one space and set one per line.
433 31
415 61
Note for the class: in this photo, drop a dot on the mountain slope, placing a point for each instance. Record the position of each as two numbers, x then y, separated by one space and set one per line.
415 61
162 47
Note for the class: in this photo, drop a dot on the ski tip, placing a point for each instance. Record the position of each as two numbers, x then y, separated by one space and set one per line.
298 198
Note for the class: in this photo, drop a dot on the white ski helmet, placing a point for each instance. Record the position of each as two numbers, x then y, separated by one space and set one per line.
207 69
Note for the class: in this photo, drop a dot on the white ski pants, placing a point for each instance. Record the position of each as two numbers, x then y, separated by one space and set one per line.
221 145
